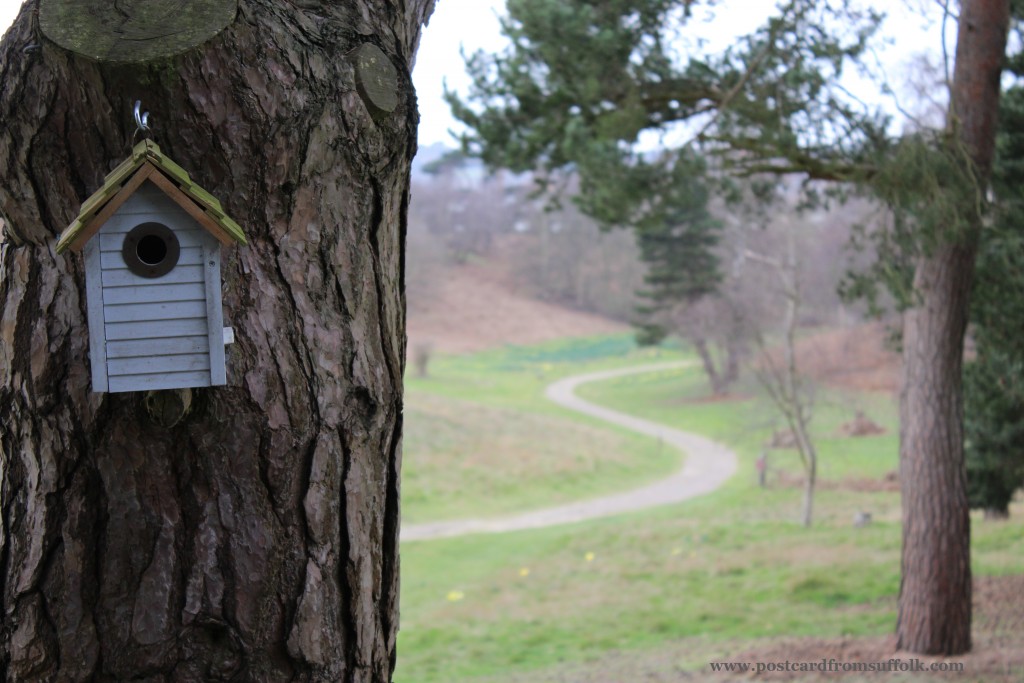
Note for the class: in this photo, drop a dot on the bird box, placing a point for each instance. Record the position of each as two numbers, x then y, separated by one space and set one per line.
152 246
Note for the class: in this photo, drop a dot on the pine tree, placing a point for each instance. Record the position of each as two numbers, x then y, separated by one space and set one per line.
583 78
994 380
255 539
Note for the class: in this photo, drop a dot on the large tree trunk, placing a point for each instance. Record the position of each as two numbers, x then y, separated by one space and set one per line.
935 593
256 540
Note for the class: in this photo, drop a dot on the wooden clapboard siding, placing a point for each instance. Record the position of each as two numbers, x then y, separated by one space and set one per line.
190 256
148 199
94 303
126 278
158 347
158 292
156 329
113 241
167 310
167 380
215 314
117 367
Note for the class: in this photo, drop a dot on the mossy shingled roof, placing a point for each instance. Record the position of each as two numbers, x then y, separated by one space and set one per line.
148 154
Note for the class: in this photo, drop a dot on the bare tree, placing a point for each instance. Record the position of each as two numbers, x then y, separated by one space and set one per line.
719 327
781 378
562 255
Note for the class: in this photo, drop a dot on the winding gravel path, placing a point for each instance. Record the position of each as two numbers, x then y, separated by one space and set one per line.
708 465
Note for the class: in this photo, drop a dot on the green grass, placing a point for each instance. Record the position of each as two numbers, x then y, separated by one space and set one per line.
652 580
468 460
481 439
679 398
702 577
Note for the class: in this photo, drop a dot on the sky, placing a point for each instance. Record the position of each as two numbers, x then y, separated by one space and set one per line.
913 27
473 24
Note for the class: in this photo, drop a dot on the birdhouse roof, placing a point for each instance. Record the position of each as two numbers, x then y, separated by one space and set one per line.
147 162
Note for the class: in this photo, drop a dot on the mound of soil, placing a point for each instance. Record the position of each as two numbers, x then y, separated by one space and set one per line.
782 438
861 425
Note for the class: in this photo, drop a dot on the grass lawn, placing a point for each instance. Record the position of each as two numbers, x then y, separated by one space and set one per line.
481 439
695 580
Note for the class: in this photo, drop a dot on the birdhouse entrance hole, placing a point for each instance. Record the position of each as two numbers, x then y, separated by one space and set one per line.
151 250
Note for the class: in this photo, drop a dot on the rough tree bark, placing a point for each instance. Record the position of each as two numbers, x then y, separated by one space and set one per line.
935 593
257 539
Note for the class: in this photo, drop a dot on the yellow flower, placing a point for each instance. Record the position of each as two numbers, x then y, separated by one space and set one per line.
455 596
589 557
525 571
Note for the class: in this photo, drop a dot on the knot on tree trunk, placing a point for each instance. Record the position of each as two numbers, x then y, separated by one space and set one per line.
169 407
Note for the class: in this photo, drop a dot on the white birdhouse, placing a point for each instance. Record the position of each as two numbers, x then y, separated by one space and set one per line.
152 240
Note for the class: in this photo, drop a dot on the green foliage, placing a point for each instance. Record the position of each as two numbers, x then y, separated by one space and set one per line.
1008 175
994 430
676 241
781 107
583 78
994 381
577 71
927 185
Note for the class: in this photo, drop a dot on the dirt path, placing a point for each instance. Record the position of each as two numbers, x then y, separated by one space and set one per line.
707 467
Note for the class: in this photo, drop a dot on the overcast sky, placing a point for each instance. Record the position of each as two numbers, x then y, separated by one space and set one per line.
473 24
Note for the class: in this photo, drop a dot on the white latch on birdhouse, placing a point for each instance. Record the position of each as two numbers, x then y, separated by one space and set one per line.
152 241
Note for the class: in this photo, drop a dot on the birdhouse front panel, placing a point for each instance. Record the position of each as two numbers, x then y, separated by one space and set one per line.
151 239
153 278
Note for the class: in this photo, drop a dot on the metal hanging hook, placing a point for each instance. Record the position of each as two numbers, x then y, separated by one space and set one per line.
141 122
141 118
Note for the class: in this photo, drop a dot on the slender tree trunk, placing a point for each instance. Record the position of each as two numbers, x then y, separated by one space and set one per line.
935 593
718 387
256 540
799 401
733 356
811 477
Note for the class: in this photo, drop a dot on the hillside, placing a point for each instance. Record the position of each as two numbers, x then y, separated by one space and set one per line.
474 308
855 357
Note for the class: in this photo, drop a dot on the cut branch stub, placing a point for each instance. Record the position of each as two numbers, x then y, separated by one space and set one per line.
376 79
167 408
133 30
